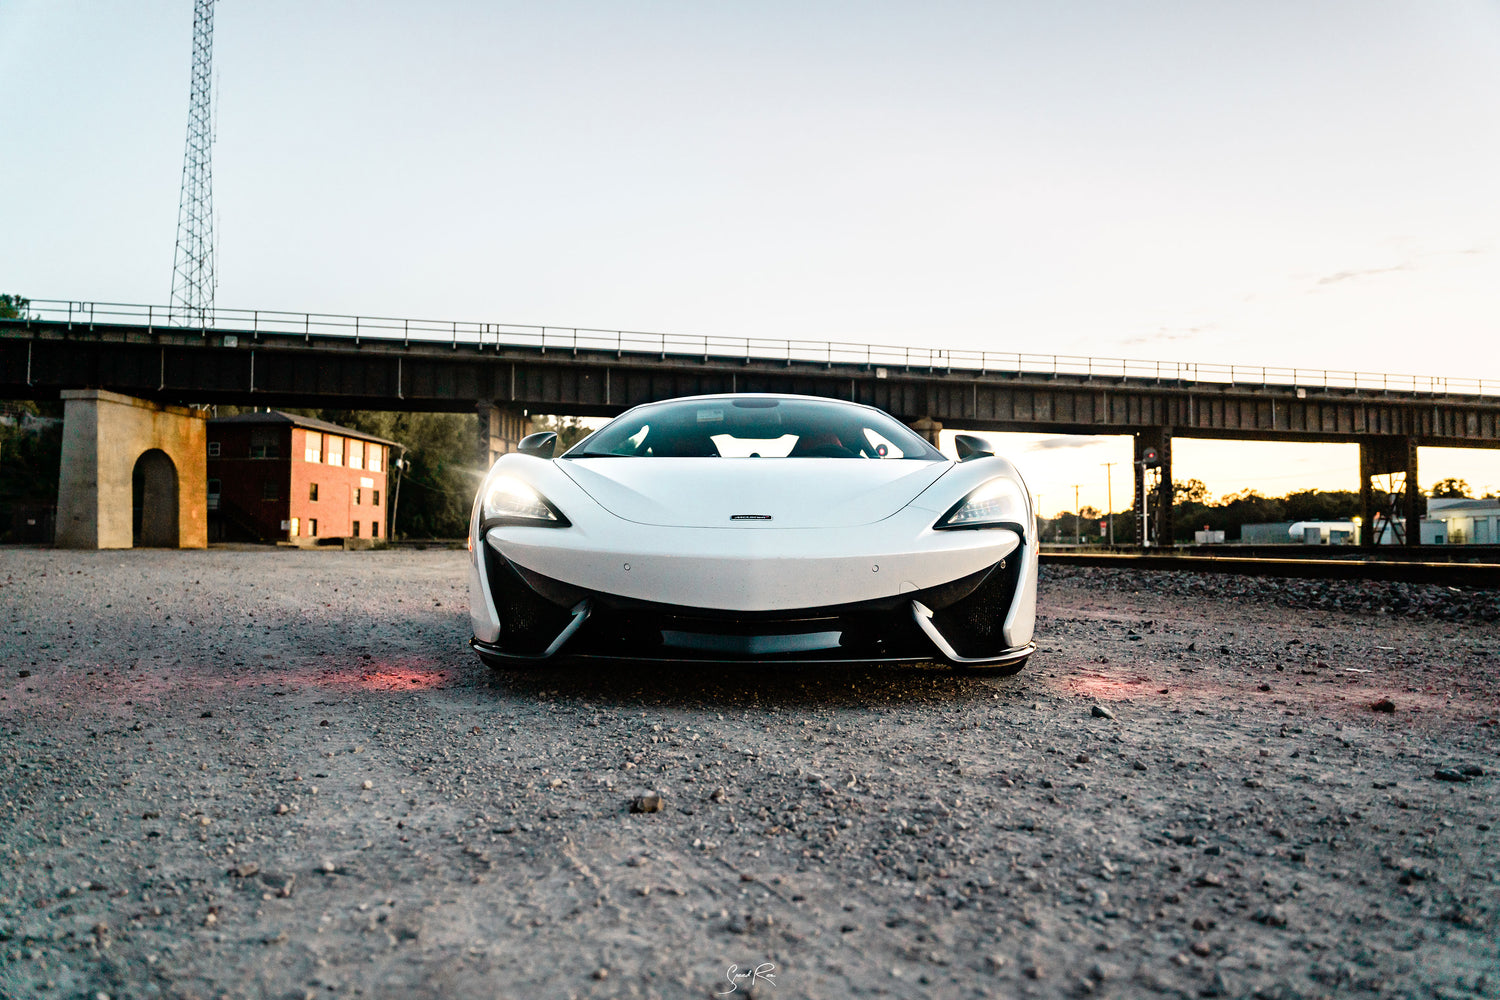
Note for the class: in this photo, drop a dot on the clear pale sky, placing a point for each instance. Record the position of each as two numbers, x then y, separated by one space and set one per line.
1260 183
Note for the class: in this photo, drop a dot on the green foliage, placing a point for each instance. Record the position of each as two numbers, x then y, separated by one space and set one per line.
14 307
30 454
1449 488
569 430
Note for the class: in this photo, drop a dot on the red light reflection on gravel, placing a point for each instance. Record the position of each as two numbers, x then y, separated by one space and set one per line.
1111 688
387 677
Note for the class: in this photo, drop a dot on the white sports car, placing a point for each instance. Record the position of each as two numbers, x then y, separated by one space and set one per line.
753 528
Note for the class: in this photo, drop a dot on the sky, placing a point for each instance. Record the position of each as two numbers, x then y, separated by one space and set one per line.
1263 183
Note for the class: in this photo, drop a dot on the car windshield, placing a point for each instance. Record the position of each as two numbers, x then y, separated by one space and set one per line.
755 427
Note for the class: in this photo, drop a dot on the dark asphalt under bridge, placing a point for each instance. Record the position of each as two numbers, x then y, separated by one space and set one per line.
500 372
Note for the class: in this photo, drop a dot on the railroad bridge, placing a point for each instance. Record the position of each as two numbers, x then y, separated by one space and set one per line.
502 371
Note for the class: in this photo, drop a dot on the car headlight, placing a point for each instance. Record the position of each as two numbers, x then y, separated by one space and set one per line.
507 500
999 503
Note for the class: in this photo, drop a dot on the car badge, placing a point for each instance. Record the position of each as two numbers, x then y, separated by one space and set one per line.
749 517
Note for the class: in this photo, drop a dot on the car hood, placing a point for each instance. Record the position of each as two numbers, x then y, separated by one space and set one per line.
794 492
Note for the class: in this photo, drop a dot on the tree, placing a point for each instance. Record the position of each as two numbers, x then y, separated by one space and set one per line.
1449 488
1189 491
569 430
14 307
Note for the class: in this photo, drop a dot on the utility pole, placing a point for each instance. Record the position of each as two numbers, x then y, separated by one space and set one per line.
1077 521
1109 486
193 278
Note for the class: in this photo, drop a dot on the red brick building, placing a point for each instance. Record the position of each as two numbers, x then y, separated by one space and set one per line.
280 477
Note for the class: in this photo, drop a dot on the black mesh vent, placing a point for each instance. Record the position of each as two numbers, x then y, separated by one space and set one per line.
974 625
528 621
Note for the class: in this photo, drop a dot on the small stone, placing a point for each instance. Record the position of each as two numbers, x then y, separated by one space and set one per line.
1265 687
1034 971
994 963
717 795
282 809
367 784
1139 765
601 973
23 673
1100 712
206 715
245 869
328 867
648 803
1449 774
1208 880
211 919
1471 771
1275 916
1082 758
1202 949
1383 705
554 783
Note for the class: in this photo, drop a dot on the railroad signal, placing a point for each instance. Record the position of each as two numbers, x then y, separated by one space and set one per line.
1150 459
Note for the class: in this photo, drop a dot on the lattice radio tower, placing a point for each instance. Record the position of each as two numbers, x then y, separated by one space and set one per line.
193 277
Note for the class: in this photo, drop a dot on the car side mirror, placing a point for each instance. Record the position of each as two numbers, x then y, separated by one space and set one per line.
970 446
541 444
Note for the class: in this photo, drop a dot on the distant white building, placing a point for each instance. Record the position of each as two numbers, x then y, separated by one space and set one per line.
1299 533
1467 522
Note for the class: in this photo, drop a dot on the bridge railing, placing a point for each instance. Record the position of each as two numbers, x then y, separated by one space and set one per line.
254 323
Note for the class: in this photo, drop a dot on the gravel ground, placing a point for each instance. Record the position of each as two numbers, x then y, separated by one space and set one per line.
276 773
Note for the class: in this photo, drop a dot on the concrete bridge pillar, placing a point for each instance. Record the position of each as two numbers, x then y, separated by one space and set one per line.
1153 513
501 428
1390 456
133 473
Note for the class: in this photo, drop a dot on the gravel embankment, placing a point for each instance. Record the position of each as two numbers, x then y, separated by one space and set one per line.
1370 597
282 774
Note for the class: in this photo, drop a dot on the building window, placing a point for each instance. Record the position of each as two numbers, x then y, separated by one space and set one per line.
312 491
265 442
214 488
312 527
335 450
356 454
268 490
356 494
295 523
313 452
374 498
374 529
213 449
373 462
356 529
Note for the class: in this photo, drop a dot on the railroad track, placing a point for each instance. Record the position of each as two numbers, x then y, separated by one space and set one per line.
1476 576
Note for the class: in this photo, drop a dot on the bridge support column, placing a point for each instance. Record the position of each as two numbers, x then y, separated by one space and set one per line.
501 428
1390 456
133 473
1153 445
